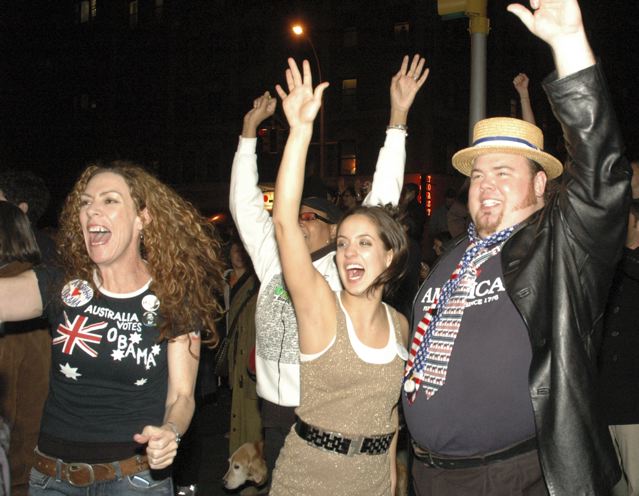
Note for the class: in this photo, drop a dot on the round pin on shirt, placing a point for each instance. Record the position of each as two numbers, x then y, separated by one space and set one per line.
76 293
409 386
150 303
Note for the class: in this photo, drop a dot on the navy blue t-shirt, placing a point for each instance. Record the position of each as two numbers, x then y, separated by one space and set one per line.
484 405
109 373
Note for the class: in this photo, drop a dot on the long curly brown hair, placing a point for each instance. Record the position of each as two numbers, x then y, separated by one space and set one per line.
181 249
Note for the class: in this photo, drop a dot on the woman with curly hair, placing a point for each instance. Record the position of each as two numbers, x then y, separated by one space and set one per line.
135 290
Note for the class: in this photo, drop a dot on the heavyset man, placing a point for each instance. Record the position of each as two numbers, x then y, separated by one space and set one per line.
499 393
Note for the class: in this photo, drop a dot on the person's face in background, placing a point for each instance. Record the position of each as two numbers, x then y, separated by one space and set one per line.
406 196
438 247
237 256
317 233
348 200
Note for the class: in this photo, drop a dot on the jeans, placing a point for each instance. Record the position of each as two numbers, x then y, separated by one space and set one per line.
140 483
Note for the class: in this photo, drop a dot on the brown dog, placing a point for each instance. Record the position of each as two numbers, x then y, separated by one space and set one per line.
401 488
246 464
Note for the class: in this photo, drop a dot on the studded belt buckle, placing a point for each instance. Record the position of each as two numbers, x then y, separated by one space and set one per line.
73 469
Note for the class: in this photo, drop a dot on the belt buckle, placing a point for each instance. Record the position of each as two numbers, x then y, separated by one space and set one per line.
355 446
74 468
431 461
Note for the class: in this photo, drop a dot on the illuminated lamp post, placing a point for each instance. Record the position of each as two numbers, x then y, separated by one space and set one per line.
298 30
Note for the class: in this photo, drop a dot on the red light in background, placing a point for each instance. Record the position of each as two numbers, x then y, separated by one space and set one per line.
429 198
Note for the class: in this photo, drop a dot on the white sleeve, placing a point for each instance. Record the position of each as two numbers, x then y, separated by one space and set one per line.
389 172
246 204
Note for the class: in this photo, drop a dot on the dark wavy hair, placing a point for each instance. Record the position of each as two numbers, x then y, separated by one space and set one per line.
24 186
181 249
393 235
17 241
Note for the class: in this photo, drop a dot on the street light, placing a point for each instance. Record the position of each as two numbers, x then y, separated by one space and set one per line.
298 30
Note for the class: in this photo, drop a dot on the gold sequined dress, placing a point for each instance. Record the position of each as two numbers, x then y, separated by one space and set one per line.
342 393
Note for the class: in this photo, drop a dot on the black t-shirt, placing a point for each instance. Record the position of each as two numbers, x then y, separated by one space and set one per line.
109 373
484 405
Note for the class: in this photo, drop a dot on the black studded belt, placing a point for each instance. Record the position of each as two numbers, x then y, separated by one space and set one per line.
450 462
337 443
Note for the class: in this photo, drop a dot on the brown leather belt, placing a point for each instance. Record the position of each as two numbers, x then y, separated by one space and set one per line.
85 474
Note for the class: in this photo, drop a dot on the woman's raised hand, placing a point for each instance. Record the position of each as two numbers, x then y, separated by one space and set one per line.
302 103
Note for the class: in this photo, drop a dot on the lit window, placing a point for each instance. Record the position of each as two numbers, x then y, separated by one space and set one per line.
348 158
83 11
86 11
350 37
349 94
133 13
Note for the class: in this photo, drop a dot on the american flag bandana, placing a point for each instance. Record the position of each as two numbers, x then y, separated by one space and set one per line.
435 335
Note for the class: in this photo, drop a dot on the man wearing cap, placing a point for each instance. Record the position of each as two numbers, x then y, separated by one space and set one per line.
499 391
277 348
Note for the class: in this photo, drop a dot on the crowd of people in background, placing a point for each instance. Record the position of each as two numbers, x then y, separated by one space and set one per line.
333 321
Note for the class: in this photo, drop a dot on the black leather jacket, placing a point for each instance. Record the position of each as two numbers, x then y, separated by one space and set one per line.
558 267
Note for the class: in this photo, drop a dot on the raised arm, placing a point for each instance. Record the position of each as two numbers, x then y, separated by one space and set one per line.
558 23
521 85
307 287
389 172
245 197
263 108
20 297
595 197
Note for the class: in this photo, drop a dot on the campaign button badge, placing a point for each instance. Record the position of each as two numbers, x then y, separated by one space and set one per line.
150 303
76 293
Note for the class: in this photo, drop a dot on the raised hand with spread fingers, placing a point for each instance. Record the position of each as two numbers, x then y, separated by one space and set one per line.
407 82
302 103
558 23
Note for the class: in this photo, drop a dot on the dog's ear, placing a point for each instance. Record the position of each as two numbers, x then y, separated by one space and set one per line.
259 447
257 470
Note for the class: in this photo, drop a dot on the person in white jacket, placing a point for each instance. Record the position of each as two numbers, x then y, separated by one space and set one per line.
277 347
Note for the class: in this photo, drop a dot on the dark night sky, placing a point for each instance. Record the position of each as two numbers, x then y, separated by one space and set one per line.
47 63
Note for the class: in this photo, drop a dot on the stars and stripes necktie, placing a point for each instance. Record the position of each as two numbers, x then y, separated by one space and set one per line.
435 335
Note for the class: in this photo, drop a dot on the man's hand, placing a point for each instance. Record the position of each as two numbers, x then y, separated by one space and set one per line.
558 23
550 20
301 104
407 82
263 108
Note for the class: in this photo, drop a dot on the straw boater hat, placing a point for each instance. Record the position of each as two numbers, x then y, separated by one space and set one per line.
507 135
